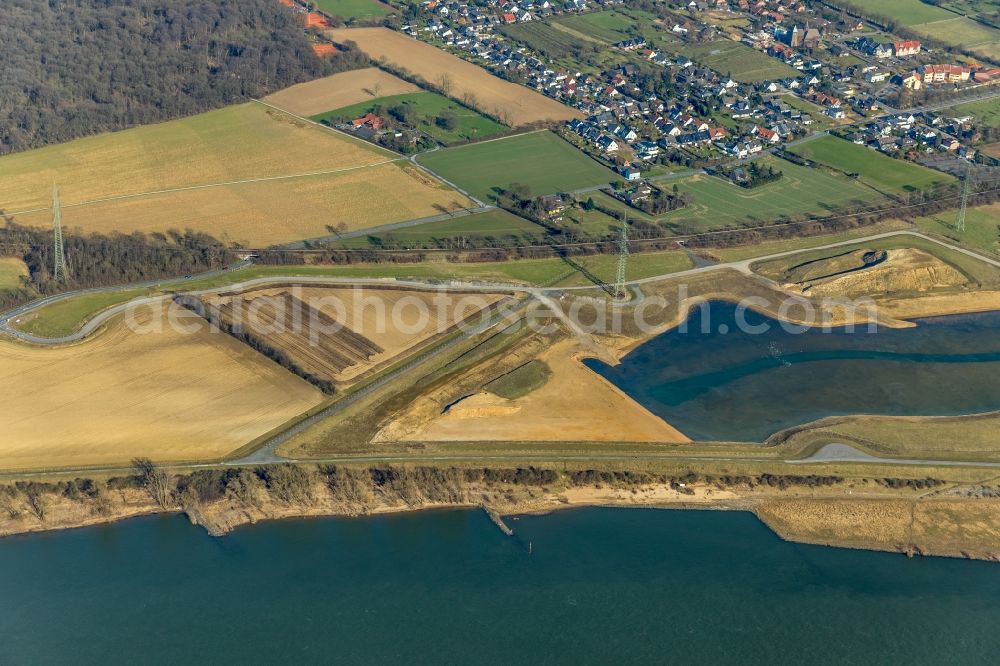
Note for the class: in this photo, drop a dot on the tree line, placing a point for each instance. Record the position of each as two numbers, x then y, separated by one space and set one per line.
359 489
77 67
98 260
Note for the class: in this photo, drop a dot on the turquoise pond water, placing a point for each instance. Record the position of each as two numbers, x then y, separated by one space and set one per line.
600 586
716 381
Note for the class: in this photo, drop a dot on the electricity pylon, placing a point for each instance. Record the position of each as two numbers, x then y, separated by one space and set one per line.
59 271
620 292
966 188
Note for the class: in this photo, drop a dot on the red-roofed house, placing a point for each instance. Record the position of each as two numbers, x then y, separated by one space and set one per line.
509 18
987 74
906 47
717 133
768 135
367 120
933 74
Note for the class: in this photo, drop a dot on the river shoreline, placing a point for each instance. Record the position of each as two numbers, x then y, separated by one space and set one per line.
816 515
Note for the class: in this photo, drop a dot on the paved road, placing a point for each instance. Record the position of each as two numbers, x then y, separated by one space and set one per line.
11 316
513 458
540 293
841 453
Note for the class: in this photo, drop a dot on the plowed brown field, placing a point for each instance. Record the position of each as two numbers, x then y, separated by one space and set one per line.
340 334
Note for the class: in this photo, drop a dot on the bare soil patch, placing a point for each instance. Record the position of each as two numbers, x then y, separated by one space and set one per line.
903 270
575 404
340 334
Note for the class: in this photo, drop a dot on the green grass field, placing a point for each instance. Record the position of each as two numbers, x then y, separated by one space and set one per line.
820 119
874 167
964 32
906 12
540 160
738 61
987 10
352 9
521 380
544 38
610 26
717 203
788 244
592 222
982 227
426 107
942 24
65 317
985 112
639 266
497 224
12 270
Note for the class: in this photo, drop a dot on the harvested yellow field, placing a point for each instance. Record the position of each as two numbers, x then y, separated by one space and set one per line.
168 395
242 142
274 211
341 334
575 404
339 90
513 104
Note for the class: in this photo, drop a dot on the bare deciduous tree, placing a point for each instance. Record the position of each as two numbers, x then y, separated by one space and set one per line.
155 480
445 82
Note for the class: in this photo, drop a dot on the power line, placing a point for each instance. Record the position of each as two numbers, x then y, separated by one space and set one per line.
651 239
966 187
622 258
59 271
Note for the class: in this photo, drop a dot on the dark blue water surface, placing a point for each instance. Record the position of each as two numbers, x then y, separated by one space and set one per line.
740 376
600 586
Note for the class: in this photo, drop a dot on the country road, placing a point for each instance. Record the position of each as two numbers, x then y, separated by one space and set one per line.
540 293
840 456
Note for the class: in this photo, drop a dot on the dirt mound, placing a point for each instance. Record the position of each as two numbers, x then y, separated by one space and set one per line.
482 405
904 270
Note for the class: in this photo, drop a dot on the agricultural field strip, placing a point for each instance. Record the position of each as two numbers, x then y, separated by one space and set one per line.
539 293
249 181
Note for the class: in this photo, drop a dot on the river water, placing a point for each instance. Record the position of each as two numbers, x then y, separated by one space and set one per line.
600 585
735 376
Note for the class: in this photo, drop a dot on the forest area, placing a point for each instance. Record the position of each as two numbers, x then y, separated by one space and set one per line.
97 260
76 67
